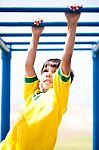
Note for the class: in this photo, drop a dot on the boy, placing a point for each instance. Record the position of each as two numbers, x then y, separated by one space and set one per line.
37 126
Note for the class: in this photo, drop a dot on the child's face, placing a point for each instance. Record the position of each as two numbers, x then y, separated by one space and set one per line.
47 77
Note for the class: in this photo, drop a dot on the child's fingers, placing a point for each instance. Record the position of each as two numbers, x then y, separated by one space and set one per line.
38 22
34 22
75 7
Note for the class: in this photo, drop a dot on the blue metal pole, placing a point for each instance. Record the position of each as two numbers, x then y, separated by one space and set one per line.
96 98
47 9
52 49
49 43
45 34
5 98
47 24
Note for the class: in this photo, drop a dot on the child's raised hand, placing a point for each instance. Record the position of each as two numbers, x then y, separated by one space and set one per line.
72 18
37 29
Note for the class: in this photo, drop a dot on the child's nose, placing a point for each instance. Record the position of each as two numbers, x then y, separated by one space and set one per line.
49 74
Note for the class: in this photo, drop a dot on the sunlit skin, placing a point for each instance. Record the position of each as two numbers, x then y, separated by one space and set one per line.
47 78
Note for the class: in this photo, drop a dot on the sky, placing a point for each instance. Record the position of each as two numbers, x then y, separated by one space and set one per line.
81 89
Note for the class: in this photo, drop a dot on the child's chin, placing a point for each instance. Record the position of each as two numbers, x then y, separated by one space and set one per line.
47 86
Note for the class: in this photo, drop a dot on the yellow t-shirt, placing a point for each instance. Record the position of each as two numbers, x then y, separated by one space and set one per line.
37 126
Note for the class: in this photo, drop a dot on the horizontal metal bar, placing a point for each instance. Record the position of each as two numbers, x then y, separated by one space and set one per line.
15 34
10 24
80 42
47 9
44 34
49 43
64 34
54 49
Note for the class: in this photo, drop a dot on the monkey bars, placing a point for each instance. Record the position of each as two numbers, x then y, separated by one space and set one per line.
49 43
48 9
6 58
47 24
45 34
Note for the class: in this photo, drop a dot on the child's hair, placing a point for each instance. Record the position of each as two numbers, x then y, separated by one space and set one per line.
55 62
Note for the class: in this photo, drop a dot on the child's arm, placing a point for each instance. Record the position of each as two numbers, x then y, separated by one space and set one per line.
70 39
29 64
